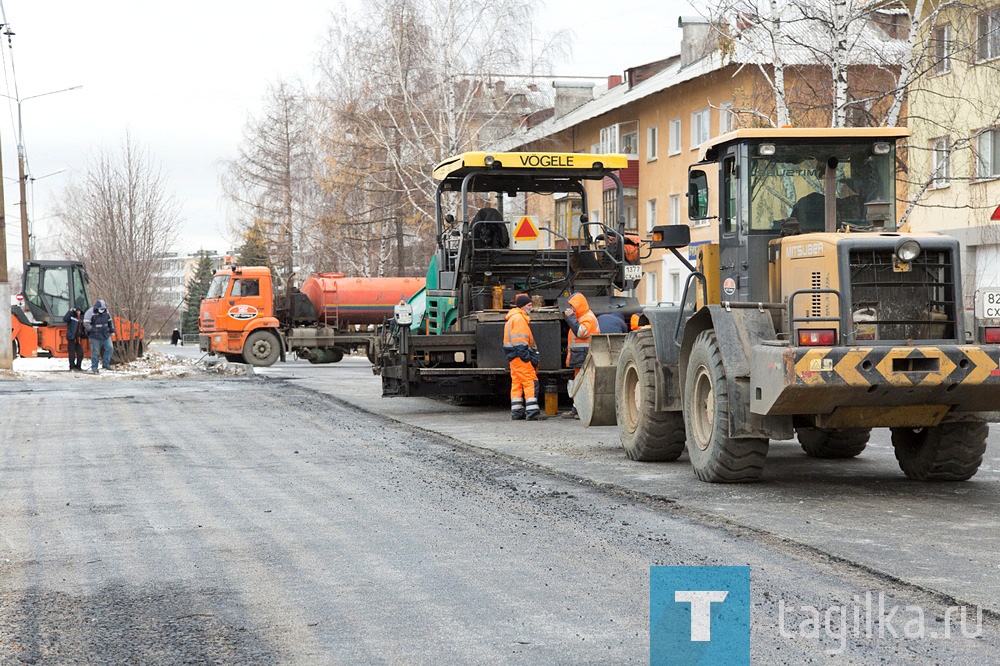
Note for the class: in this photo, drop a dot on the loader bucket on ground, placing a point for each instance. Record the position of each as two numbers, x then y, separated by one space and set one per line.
593 390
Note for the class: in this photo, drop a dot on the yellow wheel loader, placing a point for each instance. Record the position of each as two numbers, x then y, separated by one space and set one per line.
810 317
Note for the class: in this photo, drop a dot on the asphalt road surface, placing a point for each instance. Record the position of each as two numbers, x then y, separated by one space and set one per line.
283 519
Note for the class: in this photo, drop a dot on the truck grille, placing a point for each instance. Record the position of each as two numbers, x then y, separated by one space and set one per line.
918 304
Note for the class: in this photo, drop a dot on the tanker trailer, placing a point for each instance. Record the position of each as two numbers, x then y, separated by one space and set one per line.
246 319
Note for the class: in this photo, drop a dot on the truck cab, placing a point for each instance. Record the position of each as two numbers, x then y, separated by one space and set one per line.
237 316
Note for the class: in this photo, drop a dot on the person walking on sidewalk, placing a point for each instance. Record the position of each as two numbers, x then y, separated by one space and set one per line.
582 324
522 355
74 337
100 327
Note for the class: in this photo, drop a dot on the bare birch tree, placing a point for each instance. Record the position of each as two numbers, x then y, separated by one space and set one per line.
410 83
860 44
272 181
120 220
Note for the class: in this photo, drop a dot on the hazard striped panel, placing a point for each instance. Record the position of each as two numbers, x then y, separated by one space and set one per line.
803 380
897 366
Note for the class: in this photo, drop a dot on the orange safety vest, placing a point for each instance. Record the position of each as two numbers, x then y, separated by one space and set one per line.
578 341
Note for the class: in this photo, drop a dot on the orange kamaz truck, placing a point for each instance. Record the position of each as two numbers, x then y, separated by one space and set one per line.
244 318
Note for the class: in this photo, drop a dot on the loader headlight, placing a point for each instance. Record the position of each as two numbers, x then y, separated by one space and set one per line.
881 148
907 249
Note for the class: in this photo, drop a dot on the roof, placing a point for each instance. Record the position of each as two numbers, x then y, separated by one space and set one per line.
870 45
786 133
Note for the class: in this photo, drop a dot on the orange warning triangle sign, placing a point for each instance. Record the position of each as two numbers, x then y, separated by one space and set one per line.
525 230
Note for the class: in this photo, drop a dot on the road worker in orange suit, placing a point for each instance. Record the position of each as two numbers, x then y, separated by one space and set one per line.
582 324
522 354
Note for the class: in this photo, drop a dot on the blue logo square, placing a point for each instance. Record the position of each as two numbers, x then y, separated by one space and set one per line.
699 615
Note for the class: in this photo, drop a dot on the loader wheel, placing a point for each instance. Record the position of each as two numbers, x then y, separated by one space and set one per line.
261 349
646 434
15 348
715 456
948 452
830 443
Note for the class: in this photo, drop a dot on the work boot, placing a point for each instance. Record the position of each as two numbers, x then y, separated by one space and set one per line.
517 417
571 414
537 416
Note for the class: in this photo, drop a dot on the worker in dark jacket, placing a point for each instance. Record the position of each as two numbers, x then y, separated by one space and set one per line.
612 322
74 338
100 327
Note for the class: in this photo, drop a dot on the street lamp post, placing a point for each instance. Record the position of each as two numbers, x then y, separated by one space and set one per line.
25 247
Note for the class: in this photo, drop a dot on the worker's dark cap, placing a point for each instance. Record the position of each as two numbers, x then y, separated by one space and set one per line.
521 300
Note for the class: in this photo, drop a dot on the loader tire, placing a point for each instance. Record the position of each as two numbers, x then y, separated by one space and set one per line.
261 349
646 434
715 456
948 452
830 443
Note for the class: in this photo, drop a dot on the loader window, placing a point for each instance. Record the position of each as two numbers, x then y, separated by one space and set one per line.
697 195
218 287
80 299
789 182
55 291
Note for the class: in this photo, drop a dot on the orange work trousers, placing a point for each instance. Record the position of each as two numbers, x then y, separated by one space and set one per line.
523 384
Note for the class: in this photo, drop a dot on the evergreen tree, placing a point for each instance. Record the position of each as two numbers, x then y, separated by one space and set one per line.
196 289
253 251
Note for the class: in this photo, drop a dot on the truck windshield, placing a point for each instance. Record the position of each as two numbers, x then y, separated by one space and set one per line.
791 182
218 287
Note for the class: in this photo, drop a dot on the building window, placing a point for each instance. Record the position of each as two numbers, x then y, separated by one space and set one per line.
652 143
651 296
940 162
699 127
609 139
675 286
675 136
631 214
988 154
650 213
568 212
988 35
726 123
941 47
674 209
630 143
621 138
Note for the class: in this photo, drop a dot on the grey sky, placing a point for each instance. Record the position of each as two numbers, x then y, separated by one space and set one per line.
183 76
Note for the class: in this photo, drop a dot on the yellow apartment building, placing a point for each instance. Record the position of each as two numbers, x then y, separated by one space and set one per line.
954 154
659 114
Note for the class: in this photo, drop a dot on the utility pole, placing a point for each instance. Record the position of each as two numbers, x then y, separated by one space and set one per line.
6 347
25 245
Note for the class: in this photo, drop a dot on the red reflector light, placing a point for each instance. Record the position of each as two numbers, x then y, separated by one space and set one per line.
817 337
991 334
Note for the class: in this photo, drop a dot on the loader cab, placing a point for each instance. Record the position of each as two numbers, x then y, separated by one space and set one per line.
766 184
51 287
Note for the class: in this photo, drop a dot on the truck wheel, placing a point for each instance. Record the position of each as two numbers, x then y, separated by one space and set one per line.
646 434
948 452
15 348
830 443
261 349
715 456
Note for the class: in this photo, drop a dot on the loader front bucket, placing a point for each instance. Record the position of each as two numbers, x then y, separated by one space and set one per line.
593 390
